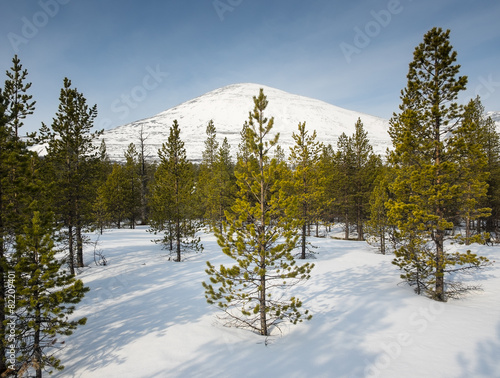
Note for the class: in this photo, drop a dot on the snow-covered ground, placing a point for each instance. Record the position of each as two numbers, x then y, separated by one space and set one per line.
147 317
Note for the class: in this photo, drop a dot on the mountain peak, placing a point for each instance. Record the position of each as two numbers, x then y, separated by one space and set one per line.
229 106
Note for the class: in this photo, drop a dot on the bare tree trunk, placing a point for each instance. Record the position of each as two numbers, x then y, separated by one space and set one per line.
303 246
346 236
262 250
79 244
37 349
359 225
440 292
71 251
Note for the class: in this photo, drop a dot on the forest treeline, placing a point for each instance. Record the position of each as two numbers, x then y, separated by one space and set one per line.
440 180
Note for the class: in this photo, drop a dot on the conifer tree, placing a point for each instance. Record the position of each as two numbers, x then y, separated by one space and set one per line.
104 168
16 190
365 170
491 144
112 201
145 173
378 225
429 177
486 139
257 237
101 216
306 189
206 180
20 103
71 157
328 172
225 182
216 182
132 185
473 175
46 296
173 197
344 188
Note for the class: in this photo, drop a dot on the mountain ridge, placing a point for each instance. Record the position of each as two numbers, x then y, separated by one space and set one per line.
229 106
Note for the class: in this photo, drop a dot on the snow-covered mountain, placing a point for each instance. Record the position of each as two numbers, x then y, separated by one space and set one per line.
229 106
495 116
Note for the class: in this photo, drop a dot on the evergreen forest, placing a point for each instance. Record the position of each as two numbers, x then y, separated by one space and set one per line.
439 185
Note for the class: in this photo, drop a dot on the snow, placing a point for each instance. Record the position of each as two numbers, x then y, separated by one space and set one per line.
229 106
147 317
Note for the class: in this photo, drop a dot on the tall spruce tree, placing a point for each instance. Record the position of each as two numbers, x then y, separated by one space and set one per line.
429 174
173 197
46 296
259 239
71 156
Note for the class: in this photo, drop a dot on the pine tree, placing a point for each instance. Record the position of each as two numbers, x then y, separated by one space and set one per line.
112 197
145 173
491 145
71 158
257 238
46 296
473 175
104 167
16 189
429 177
15 91
207 183
224 183
306 190
328 172
365 170
378 225
132 185
172 197
344 188
216 182
486 139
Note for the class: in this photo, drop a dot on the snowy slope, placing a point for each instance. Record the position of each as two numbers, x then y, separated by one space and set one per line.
229 107
147 317
495 116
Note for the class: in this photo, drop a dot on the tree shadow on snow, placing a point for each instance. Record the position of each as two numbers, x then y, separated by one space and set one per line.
484 360
346 305
130 301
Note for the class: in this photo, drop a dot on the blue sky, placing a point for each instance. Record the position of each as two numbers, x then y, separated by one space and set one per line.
137 58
